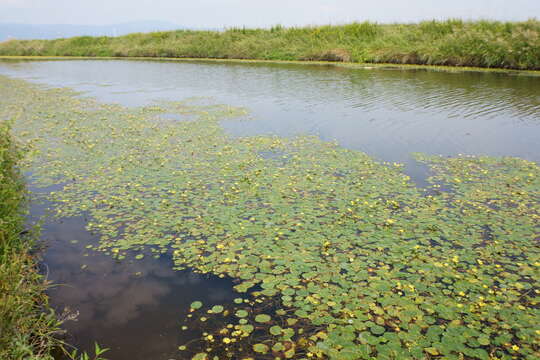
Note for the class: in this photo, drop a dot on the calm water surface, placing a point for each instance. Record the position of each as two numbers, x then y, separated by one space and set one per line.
135 308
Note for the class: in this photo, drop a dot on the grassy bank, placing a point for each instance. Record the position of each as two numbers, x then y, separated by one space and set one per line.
490 44
26 330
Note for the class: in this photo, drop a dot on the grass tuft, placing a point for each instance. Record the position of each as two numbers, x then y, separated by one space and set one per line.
27 328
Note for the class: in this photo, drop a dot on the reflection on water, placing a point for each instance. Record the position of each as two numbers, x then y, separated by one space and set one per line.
386 113
135 307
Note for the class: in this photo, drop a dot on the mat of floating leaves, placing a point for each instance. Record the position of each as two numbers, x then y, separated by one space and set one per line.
341 256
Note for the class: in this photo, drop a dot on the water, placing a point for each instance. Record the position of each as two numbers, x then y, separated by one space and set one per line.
136 308
386 113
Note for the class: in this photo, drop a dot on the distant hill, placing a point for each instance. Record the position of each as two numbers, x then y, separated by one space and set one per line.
25 31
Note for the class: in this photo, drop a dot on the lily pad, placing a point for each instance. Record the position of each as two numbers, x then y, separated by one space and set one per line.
377 330
196 305
262 318
261 348
275 330
241 313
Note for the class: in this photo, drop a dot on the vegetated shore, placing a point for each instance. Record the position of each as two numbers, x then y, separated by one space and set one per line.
347 65
484 44
27 328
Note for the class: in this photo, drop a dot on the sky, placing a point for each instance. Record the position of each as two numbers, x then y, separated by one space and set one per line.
258 13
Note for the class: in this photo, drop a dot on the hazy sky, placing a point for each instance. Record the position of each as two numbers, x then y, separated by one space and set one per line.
220 13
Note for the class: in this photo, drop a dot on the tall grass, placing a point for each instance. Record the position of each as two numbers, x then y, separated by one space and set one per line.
491 44
27 330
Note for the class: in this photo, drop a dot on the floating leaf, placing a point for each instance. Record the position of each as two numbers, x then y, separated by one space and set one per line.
262 318
200 356
377 330
196 305
275 330
241 313
261 348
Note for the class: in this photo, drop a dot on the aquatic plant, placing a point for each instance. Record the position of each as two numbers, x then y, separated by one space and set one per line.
337 255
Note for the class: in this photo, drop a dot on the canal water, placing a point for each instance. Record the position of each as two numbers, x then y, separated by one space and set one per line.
136 309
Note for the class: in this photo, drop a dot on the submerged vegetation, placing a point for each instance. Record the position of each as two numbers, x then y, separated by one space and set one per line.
334 255
490 44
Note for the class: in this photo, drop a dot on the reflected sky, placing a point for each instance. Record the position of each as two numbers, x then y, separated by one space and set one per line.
133 307
386 113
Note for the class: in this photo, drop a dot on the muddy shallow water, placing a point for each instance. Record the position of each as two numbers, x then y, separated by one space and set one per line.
135 308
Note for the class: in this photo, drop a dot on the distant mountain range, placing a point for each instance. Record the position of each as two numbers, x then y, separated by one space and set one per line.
26 31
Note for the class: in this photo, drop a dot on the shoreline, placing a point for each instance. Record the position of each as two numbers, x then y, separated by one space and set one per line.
28 325
347 65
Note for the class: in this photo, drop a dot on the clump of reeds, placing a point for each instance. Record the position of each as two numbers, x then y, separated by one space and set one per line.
490 44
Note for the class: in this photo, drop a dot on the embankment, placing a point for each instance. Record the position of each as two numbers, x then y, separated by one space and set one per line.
487 44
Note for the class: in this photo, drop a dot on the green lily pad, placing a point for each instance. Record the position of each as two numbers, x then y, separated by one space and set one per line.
200 356
377 330
241 313
196 305
483 340
261 348
262 318
275 330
